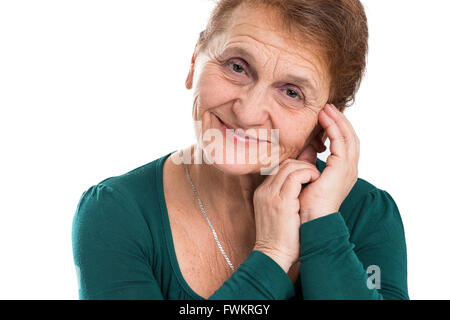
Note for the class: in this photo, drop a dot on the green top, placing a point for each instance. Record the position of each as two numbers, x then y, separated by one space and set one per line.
123 248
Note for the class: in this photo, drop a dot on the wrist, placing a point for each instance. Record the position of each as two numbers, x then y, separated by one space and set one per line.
283 262
307 215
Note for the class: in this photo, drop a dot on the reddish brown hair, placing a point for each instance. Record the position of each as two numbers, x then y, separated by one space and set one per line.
337 27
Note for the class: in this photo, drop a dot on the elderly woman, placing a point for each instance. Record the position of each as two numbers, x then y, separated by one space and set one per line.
191 225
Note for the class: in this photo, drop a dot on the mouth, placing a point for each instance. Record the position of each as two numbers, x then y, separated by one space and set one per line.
237 133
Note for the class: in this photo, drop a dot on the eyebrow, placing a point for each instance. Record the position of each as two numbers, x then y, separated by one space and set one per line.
304 81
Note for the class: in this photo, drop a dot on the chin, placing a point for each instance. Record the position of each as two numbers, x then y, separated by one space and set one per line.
238 169
245 164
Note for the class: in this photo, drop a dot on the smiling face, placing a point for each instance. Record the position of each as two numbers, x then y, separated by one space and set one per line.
256 77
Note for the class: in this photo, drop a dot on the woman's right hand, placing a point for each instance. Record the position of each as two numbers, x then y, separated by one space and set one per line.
276 206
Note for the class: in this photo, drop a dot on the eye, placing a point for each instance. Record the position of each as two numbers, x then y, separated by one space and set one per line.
293 94
237 66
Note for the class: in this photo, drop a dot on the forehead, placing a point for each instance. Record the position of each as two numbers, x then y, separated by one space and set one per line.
258 32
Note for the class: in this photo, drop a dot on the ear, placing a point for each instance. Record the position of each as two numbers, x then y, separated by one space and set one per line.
190 76
318 141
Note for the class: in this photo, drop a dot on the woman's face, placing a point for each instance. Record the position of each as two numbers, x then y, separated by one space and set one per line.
257 78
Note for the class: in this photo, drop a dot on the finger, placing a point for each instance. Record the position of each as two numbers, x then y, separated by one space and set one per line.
347 130
337 141
349 125
287 167
292 186
349 133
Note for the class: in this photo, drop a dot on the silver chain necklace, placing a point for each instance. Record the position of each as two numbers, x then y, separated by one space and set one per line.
205 215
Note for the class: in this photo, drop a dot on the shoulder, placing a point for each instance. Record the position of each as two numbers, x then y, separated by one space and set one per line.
132 186
116 204
136 182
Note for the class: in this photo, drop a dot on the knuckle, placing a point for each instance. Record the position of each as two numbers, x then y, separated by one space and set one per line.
279 206
294 175
342 138
292 166
288 166
288 163
301 173
259 193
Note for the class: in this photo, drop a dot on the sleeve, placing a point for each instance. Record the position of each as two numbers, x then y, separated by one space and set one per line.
111 257
369 264
259 277
109 249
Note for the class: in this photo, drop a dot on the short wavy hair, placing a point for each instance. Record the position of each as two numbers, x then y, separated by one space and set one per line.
337 27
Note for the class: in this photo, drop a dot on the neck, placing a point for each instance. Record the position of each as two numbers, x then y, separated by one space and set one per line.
228 197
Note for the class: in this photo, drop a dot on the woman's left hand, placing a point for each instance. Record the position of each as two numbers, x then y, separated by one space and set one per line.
325 195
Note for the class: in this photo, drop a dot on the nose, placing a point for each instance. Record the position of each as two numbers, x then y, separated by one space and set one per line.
252 109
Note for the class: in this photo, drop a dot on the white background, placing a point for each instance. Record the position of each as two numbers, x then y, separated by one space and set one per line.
92 89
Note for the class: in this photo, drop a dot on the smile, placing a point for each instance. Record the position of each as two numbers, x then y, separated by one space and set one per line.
236 133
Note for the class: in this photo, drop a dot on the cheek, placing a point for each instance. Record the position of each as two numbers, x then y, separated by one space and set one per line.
214 89
295 130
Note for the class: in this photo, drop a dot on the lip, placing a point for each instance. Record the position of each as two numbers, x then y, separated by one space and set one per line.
246 138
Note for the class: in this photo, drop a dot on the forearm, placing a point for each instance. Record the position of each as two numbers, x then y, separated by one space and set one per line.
330 268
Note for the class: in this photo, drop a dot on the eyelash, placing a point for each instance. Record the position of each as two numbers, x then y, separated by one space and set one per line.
297 92
232 62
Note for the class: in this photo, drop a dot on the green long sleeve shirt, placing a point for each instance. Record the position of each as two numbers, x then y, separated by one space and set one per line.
123 248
